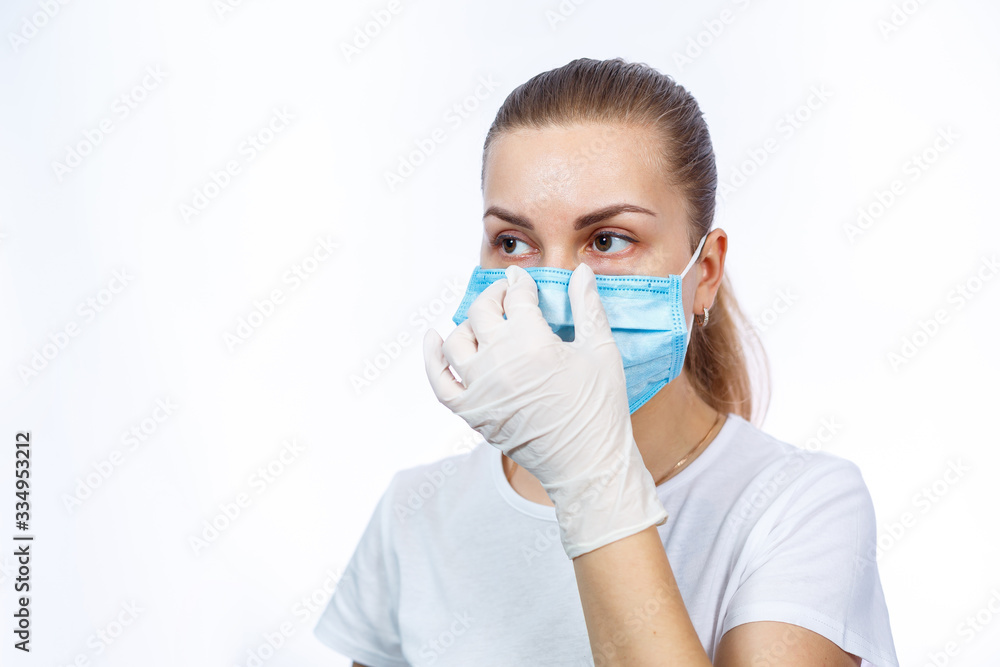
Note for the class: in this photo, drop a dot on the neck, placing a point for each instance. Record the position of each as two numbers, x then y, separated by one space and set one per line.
665 429
668 425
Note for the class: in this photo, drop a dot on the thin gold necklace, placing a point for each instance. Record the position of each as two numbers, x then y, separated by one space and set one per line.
671 472
677 465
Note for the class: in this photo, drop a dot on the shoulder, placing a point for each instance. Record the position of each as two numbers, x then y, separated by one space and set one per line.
772 481
761 455
805 553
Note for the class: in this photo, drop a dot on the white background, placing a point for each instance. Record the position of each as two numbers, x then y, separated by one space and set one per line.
162 336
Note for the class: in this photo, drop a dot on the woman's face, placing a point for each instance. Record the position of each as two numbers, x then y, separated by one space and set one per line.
589 193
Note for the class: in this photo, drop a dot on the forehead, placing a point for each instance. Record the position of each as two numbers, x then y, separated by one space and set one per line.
583 163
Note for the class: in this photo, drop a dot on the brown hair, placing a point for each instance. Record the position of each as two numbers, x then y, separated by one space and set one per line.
616 92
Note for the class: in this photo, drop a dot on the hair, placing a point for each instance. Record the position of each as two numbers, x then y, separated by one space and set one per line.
634 95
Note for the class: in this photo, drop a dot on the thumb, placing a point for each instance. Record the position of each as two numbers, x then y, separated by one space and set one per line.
444 384
590 322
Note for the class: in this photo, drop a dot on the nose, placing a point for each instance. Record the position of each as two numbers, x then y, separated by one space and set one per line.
560 258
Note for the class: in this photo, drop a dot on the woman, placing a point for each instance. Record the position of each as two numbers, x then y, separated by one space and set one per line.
598 353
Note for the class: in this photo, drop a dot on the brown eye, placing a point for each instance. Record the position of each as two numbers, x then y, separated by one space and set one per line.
605 243
508 245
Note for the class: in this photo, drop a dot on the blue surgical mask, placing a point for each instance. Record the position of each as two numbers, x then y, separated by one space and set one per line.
646 314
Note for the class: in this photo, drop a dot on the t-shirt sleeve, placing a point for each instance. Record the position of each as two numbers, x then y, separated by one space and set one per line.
360 621
811 562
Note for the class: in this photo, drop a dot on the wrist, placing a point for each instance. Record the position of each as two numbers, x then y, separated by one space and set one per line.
616 502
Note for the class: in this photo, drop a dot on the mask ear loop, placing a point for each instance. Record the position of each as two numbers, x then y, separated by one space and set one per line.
694 258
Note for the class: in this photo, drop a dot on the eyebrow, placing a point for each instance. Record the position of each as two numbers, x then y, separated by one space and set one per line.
583 221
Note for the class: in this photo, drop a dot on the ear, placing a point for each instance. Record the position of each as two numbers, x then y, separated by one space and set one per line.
709 270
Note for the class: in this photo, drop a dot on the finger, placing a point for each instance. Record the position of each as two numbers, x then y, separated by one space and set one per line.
485 314
590 322
460 347
444 384
521 300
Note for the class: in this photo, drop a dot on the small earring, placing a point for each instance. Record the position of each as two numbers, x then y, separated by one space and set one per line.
702 320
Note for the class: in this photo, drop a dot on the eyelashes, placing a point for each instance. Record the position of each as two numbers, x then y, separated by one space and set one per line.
501 240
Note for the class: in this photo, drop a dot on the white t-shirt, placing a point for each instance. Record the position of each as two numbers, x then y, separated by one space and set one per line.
456 568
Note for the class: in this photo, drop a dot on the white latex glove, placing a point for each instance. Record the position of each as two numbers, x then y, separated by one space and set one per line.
558 409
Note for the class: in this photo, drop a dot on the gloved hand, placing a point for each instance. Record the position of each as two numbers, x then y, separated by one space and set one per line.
558 409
